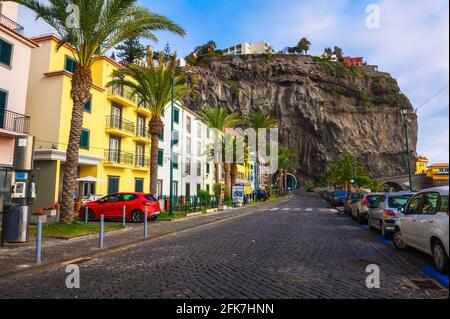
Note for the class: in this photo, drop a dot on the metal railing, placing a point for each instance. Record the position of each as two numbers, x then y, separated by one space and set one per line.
14 122
116 122
141 161
126 93
141 131
10 24
117 157
187 204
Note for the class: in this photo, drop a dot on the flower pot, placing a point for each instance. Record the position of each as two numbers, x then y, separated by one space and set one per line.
51 215
34 219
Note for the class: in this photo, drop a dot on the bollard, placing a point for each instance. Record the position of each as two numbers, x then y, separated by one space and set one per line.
124 216
58 216
86 216
39 243
146 223
102 231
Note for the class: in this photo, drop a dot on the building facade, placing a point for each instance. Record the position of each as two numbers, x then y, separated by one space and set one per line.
249 48
439 172
421 165
15 53
115 144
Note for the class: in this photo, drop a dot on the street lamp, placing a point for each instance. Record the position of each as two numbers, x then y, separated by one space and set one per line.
404 112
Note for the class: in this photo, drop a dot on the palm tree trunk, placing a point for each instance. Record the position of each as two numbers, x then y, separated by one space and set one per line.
280 182
156 126
81 85
228 185
234 173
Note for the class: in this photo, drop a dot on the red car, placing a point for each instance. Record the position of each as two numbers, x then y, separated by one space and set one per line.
111 206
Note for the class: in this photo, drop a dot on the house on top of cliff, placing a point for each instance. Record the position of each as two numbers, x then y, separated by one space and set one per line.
260 47
350 61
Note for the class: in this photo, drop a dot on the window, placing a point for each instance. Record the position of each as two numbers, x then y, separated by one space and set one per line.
199 130
208 168
430 202
187 166
188 190
199 169
6 49
3 98
70 64
112 198
88 105
176 116
176 137
84 139
113 184
140 127
208 188
199 149
161 137
140 151
188 124
159 188
150 197
139 185
161 157
175 188
175 161
207 133
188 145
444 204
129 197
199 187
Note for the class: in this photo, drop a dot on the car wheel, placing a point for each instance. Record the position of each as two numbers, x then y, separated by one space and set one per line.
384 231
440 257
398 240
137 217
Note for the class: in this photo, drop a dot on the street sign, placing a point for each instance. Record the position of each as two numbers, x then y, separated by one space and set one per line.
238 193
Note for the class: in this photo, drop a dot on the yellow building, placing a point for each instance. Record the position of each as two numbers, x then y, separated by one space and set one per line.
114 141
438 171
421 165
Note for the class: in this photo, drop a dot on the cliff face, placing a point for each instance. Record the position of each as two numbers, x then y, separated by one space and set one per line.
324 109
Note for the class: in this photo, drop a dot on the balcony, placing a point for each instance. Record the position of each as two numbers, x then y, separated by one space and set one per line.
10 24
14 122
118 126
142 135
117 159
123 96
141 163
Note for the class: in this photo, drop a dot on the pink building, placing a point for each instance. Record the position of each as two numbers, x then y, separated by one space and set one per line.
15 52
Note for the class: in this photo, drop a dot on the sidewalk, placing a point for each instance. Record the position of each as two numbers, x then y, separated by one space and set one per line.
16 258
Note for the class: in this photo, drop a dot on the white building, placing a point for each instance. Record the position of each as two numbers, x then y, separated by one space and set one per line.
192 171
249 48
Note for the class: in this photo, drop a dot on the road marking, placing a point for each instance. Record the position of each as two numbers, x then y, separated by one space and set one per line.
285 209
309 209
383 240
436 275
275 209
298 209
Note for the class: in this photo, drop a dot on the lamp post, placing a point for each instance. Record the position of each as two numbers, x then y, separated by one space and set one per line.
408 154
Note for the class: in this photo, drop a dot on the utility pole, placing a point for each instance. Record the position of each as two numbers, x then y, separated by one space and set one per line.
171 146
408 153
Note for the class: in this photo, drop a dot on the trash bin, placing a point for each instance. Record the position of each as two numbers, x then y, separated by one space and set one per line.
15 223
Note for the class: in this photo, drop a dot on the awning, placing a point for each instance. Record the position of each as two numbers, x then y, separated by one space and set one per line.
90 179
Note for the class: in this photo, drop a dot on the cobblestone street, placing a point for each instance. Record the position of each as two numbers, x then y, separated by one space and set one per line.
298 249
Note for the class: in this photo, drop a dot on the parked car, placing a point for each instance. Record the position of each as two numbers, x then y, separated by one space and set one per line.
423 225
261 195
111 206
90 198
349 200
338 198
384 213
360 207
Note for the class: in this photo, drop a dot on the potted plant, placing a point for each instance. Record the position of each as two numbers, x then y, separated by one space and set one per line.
37 216
51 213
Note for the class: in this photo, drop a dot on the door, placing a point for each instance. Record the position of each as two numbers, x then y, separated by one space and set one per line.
2 108
113 184
139 185
114 150
427 218
140 151
188 191
116 117
127 200
109 206
140 127
409 220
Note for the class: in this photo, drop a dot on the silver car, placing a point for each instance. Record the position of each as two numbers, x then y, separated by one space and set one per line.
384 213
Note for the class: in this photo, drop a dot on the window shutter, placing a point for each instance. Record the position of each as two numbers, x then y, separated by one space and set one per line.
5 52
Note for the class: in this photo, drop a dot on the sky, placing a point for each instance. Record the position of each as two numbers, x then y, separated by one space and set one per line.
411 42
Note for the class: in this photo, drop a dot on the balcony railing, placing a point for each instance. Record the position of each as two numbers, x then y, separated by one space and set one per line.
10 24
117 157
14 122
141 131
141 161
125 93
118 123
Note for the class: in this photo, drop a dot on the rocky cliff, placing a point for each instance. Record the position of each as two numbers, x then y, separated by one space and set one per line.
324 108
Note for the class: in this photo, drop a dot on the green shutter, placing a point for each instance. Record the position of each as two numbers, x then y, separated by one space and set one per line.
176 137
139 185
5 52
2 100
88 105
113 185
176 116
70 65
175 161
84 139
161 137
160 157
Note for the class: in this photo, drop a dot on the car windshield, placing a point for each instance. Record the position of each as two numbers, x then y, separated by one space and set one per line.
399 201
373 198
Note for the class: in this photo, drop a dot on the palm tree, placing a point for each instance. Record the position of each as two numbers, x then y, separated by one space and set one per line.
152 85
260 120
95 28
219 118
285 163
